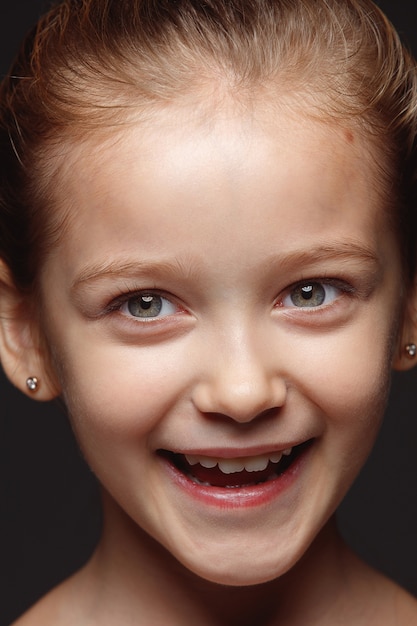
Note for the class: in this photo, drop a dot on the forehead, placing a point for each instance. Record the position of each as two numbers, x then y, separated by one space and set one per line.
181 165
211 105
182 127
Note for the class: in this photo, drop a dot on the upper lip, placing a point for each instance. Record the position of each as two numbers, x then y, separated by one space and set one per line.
234 452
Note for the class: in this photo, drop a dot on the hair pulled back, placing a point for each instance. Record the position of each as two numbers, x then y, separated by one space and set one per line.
88 65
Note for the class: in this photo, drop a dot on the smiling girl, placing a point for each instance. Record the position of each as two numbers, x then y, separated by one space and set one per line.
208 252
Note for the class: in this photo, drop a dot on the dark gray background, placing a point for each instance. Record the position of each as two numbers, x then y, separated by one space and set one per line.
49 513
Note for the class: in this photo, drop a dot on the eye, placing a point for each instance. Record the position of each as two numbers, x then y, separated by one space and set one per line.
148 306
311 294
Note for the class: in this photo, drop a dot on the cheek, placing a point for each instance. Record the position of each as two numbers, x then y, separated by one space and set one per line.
350 387
351 368
355 386
118 393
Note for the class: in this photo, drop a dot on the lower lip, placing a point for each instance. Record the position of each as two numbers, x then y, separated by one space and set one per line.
238 497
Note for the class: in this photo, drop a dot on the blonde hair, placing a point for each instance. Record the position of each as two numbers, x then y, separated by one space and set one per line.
88 64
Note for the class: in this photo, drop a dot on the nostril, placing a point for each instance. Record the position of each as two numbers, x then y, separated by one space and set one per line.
267 414
271 413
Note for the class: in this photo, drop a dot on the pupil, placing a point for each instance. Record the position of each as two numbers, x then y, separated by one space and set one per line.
145 306
146 302
311 295
307 292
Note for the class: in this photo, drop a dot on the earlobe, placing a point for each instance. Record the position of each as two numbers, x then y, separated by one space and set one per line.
406 358
406 353
21 353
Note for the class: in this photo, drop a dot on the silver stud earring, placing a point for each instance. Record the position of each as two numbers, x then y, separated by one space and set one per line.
32 383
411 350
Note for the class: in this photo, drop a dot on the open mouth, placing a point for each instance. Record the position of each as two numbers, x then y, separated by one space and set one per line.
233 473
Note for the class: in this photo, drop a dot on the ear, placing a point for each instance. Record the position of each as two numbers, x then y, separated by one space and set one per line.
22 354
404 358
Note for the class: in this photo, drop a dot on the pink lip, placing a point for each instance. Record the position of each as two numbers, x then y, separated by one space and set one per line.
237 497
233 452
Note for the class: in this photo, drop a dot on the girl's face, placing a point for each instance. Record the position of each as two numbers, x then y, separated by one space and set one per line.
223 311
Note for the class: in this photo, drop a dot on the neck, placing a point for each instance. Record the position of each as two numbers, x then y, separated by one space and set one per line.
131 575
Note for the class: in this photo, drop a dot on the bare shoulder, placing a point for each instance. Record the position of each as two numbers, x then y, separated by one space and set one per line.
41 613
59 607
45 612
391 605
405 608
378 601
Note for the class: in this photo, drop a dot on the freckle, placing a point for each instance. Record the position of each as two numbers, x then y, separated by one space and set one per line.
349 136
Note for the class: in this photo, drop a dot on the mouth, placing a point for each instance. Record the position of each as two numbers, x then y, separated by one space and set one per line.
238 472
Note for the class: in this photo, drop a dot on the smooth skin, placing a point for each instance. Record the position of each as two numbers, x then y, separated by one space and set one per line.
217 226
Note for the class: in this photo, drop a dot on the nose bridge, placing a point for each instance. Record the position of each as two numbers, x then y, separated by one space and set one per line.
240 377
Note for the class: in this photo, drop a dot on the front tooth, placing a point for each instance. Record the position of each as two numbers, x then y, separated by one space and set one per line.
205 461
275 457
192 459
229 466
256 463
208 462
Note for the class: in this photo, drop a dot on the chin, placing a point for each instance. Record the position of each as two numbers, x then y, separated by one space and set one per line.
241 574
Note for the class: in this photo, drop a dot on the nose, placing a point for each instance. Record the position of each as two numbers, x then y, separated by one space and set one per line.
240 380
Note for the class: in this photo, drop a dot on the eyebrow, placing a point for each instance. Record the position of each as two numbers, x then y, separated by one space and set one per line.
346 250
131 269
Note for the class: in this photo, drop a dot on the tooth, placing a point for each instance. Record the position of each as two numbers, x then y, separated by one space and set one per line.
256 463
275 457
229 466
199 482
208 462
192 459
